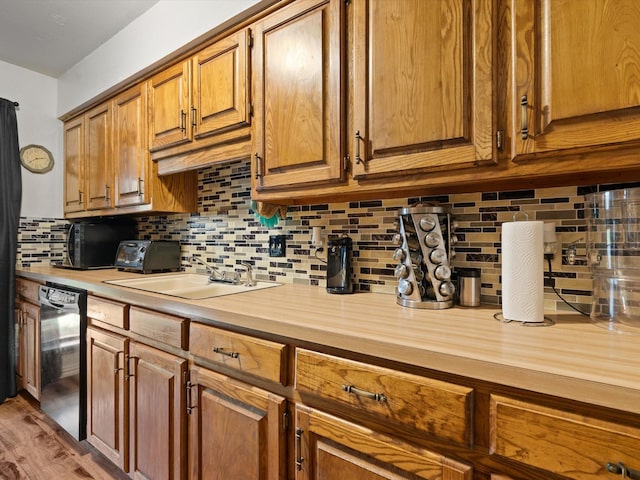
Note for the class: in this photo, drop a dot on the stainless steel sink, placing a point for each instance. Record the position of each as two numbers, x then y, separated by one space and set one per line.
192 286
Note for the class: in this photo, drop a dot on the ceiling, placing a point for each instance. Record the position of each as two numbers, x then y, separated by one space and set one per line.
50 36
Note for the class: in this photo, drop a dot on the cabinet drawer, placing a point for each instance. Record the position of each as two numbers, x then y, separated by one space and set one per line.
27 289
576 446
252 355
107 311
439 408
161 327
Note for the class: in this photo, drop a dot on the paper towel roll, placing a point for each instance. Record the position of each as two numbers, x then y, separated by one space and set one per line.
523 271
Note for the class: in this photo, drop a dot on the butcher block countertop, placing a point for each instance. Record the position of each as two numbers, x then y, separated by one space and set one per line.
573 359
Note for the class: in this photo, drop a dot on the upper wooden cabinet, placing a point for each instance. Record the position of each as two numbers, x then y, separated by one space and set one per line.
299 97
74 165
88 155
98 171
170 106
202 102
131 163
221 85
575 85
107 163
422 83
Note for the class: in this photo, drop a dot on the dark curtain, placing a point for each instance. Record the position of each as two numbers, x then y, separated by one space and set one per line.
10 198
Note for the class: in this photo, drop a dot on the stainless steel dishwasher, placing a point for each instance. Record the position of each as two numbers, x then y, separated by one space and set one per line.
63 326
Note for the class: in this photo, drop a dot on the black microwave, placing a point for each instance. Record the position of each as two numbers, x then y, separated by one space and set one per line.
94 244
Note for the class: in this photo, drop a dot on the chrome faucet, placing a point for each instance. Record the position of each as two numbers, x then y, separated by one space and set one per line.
210 268
215 275
250 280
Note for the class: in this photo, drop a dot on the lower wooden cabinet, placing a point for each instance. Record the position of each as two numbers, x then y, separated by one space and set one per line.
236 431
107 395
27 312
157 413
578 447
28 343
331 448
136 413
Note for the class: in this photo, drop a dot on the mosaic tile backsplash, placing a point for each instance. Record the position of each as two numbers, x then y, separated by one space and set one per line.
225 232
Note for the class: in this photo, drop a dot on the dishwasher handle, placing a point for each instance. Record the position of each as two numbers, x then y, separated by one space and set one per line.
58 299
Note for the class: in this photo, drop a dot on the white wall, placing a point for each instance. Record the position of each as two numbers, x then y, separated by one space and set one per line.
37 123
163 29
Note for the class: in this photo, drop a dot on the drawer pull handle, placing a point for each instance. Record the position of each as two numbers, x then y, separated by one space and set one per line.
620 469
222 351
378 397
300 458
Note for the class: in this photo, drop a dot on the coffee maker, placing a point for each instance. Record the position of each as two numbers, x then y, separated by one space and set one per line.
339 256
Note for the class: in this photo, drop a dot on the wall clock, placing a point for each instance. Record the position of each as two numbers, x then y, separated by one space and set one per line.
36 158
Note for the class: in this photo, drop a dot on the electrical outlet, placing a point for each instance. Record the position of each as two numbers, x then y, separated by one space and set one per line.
564 239
277 245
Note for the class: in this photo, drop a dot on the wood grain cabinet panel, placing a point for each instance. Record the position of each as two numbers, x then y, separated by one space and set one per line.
131 163
575 446
221 85
331 448
98 152
244 353
169 106
236 431
74 198
108 395
31 348
422 86
107 311
27 310
575 85
299 97
158 417
438 408
28 290
168 329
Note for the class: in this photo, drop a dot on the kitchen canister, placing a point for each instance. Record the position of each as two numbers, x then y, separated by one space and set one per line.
469 284
523 271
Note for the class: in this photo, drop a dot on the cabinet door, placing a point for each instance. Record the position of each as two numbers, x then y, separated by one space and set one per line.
169 107
575 84
221 85
130 153
74 165
422 85
107 395
31 318
98 174
157 414
328 448
21 347
235 430
298 92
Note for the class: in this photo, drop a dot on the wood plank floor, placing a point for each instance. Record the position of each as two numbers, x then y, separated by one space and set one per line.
33 447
